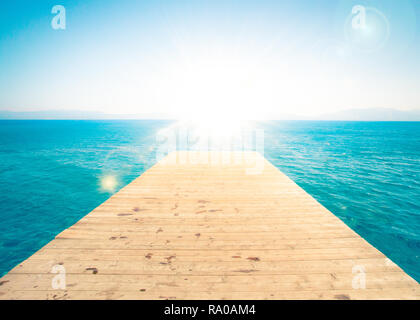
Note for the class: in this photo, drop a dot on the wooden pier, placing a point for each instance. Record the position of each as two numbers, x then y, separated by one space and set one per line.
229 227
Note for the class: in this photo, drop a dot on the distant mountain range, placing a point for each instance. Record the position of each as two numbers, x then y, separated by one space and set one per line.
75 115
373 114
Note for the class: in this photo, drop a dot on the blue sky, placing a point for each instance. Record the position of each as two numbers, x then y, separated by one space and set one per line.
207 57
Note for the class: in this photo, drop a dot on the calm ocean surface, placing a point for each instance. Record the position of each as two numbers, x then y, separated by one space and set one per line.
366 173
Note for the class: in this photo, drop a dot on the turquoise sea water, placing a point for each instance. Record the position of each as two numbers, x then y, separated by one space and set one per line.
366 173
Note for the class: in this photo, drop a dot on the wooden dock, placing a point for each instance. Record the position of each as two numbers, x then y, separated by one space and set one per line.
194 229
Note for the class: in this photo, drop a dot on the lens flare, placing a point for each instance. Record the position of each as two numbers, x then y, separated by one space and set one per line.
109 183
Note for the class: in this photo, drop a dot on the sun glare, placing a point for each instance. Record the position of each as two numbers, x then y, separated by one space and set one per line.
215 86
217 128
109 183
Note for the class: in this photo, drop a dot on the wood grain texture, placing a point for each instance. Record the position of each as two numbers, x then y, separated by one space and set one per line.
203 226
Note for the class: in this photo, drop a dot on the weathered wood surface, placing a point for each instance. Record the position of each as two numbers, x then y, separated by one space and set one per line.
188 230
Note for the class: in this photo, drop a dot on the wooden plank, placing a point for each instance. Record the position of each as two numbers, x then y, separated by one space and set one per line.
189 230
176 294
208 255
337 281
